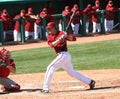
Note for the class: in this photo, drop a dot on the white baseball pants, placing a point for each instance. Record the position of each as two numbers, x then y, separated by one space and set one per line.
75 28
87 27
109 25
37 31
17 36
96 27
60 27
62 60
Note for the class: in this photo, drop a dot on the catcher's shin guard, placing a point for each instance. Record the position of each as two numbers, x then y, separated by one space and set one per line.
14 88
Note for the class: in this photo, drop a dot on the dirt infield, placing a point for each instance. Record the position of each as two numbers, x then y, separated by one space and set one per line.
63 86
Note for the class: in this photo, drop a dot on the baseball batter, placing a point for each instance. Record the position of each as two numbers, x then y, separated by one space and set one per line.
17 33
58 40
7 65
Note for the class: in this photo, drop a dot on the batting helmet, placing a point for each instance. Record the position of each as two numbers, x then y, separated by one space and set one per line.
51 25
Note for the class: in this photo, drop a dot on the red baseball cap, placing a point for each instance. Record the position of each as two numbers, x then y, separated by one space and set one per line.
44 9
22 11
30 9
4 11
97 2
110 1
89 6
75 6
51 25
67 7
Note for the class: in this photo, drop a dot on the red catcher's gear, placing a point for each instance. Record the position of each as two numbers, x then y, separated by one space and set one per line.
4 52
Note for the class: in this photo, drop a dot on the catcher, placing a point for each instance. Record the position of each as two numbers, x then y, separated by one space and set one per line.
7 65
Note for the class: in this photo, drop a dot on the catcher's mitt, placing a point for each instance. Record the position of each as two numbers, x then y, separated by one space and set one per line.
3 64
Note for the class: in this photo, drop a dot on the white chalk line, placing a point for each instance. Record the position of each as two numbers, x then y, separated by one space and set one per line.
80 93
76 87
73 87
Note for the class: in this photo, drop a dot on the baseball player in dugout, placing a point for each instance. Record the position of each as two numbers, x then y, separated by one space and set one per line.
29 24
110 16
58 40
17 34
68 14
7 25
88 13
96 17
7 66
76 20
48 17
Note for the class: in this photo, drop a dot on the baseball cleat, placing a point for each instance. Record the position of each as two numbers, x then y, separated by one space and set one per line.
92 84
44 91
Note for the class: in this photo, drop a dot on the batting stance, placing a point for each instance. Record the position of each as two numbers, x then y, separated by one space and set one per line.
7 65
58 41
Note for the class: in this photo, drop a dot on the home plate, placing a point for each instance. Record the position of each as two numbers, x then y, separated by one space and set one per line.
77 87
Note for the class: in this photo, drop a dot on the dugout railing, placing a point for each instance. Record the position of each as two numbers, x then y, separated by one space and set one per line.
22 27
57 18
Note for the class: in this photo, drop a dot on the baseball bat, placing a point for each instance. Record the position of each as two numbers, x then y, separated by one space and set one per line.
71 18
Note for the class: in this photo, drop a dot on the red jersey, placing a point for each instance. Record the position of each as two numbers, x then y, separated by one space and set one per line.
38 21
47 17
68 14
4 72
29 24
17 24
61 46
110 15
77 17
95 15
7 22
88 13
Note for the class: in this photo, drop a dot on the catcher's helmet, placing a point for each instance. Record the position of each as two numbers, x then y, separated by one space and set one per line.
5 52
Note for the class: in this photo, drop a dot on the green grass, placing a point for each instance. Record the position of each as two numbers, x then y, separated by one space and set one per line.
88 56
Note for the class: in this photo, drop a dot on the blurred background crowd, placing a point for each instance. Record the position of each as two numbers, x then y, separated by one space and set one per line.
33 19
